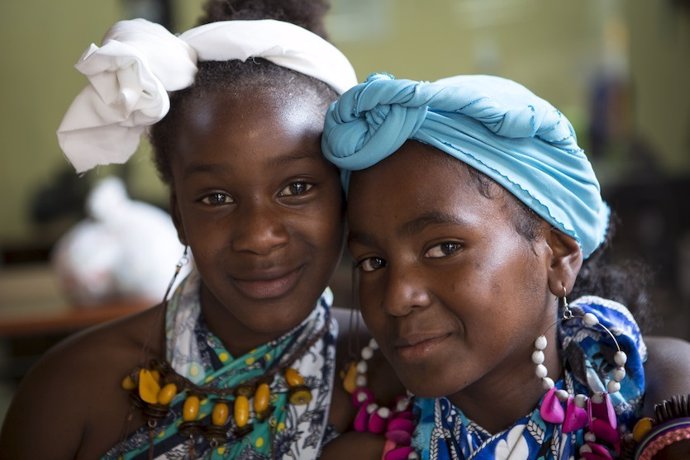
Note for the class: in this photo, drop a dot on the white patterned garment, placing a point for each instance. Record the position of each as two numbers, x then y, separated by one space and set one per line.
290 432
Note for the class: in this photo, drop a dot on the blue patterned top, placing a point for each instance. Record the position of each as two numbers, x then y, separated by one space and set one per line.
444 432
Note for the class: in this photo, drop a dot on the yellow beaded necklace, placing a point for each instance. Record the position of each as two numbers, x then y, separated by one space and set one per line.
153 388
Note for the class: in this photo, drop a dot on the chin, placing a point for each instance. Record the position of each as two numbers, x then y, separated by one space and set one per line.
424 389
428 384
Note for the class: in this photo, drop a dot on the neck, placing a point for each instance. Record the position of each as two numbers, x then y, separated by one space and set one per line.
235 336
495 403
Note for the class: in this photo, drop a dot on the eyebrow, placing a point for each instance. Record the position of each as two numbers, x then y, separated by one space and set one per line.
411 227
203 168
294 156
418 224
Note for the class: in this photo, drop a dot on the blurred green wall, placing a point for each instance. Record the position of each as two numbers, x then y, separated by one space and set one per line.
555 47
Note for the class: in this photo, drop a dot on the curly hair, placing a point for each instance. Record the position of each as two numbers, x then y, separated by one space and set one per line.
238 77
307 14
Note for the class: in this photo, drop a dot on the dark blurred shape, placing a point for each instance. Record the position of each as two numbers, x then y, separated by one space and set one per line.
63 196
160 11
654 218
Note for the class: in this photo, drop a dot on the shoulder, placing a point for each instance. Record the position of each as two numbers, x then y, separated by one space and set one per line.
667 369
608 311
613 317
103 347
74 389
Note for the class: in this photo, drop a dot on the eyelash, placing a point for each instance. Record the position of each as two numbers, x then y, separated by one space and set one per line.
224 199
454 247
447 248
220 198
306 188
363 263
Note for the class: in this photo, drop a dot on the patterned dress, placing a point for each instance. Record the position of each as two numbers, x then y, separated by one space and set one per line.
290 432
444 432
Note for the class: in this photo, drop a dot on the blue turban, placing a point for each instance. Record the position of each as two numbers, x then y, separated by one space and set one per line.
494 125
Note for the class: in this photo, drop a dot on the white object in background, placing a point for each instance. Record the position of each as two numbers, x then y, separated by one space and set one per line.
125 248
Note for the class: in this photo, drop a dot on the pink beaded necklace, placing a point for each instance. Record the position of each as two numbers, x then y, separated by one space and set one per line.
395 422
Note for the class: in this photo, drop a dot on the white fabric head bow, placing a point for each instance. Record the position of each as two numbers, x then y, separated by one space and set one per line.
139 62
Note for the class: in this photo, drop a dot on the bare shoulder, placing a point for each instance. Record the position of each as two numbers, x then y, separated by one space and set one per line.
667 369
71 400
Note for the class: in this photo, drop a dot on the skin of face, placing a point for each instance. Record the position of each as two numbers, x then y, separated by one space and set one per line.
260 208
452 293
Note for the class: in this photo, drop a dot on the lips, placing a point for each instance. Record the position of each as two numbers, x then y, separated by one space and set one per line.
268 284
417 346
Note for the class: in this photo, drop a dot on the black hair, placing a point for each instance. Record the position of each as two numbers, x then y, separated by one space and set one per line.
624 282
307 14
238 77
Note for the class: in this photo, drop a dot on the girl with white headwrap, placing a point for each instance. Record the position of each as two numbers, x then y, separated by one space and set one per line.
239 361
470 211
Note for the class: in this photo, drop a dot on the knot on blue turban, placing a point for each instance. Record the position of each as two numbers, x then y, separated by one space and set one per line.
494 125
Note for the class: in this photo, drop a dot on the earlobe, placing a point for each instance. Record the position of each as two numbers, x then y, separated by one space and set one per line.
177 220
566 261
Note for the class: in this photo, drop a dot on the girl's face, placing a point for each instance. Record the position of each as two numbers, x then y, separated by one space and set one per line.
452 293
260 208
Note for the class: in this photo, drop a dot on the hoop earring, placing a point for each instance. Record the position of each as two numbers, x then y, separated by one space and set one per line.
595 412
180 263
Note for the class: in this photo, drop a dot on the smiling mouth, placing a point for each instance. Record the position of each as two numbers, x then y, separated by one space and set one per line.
271 287
418 348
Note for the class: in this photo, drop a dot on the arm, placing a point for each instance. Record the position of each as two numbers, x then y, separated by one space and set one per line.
668 373
71 404
45 418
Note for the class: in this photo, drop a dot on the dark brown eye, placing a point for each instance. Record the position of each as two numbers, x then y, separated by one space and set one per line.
371 263
216 199
444 249
296 188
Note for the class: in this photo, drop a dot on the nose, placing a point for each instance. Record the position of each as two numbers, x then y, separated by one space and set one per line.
405 290
259 229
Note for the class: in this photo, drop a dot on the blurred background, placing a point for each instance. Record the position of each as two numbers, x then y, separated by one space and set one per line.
619 69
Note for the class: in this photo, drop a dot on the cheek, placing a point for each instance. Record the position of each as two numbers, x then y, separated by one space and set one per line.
205 231
325 231
369 304
327 225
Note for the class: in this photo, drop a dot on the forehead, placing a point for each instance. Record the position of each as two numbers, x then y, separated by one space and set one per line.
248 122
418 180
240 109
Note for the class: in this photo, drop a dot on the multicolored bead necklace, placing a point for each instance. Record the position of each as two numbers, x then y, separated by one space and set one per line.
396 422
153 388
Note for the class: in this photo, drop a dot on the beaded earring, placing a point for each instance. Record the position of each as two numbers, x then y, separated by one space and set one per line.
595 412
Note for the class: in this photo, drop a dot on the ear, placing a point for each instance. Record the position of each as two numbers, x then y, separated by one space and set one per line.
565 264
177 220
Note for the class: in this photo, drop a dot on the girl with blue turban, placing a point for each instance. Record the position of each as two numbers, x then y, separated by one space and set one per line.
471 209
